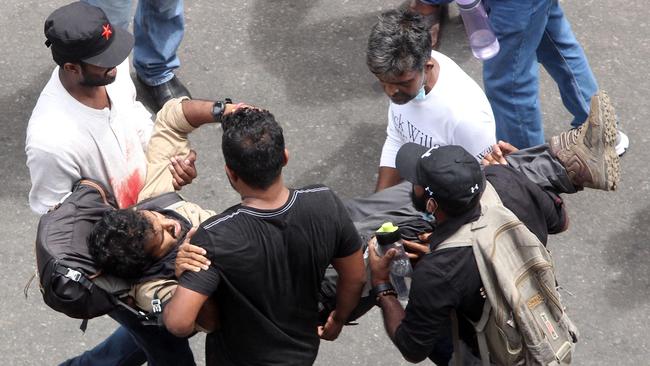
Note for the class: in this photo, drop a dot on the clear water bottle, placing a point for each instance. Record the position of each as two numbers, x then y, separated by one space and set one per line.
482 40
388 237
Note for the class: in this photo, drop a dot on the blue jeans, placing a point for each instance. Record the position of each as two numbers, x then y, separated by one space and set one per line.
133 343
158 30
532 31
119 349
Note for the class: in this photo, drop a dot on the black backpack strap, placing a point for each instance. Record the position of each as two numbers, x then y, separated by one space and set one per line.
144 318
74 275
156 303
83 326
163 201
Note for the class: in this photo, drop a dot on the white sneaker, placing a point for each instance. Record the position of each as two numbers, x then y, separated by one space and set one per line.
622 143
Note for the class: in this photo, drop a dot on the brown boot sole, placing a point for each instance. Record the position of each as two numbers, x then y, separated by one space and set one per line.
613 166
607 117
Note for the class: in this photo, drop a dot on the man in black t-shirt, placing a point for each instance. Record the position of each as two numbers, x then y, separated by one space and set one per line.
268 256
448 184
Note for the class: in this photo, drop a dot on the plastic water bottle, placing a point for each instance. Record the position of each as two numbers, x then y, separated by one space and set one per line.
482 40
388 237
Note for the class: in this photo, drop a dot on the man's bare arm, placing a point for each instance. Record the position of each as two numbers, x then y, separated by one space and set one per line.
199 112
352 278
181 312
170 162
386 178
391 309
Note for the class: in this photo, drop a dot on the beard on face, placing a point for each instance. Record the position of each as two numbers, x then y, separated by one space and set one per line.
420 203
92 80
400 98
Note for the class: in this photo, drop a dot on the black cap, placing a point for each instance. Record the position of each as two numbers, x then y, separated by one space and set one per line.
80 31
449 174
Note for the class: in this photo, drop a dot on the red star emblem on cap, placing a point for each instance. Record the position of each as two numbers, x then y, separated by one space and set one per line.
107 31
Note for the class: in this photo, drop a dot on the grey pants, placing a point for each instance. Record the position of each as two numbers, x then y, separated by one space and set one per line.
394 203
541 168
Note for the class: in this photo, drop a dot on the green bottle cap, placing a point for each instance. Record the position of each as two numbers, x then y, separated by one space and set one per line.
387 234
387 227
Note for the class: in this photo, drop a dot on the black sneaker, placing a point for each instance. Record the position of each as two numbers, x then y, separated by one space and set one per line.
160 94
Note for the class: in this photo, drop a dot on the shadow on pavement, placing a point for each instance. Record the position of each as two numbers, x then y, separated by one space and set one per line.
292 49
16 109
627 254
350 170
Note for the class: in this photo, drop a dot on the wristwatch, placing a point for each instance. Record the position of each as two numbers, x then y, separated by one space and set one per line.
219 107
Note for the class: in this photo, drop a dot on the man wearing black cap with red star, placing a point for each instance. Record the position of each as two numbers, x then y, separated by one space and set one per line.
88 124
448 183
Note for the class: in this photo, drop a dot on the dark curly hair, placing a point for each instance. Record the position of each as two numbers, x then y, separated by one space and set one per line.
253 146
117 243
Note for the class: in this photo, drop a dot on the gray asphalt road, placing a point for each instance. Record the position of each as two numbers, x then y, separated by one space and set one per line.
304 60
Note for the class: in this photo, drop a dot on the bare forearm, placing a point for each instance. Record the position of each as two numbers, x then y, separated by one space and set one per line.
181 312
176 326
198 112
387 177
348 293
393 314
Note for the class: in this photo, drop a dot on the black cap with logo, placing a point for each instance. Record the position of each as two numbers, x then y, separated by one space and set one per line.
449 174
82 32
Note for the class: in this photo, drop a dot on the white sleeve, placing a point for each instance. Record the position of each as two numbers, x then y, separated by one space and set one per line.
143 124
392 144
52 178
140 116
476 137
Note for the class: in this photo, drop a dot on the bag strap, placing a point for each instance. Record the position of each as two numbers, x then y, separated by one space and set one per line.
480 334
490 196
74 275
167 201
99 189
466 237
461 238
156 302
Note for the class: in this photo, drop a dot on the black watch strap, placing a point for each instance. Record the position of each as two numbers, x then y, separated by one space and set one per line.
219 107
384 286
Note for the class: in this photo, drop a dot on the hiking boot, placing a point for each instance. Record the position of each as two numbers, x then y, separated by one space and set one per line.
588 152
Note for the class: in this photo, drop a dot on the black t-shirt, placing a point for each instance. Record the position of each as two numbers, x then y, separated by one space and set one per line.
449 278
266 271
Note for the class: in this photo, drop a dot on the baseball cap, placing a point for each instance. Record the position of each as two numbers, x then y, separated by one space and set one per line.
80 31
449 174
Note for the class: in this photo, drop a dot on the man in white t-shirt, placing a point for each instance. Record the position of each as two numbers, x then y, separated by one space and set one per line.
87 124
433 102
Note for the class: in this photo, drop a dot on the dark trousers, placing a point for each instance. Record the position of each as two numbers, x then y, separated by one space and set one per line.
134 343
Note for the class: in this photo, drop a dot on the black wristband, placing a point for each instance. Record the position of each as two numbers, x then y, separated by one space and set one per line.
383 294
218 108
384 286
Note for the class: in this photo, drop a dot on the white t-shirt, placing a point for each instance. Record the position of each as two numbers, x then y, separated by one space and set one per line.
67 140
455 112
